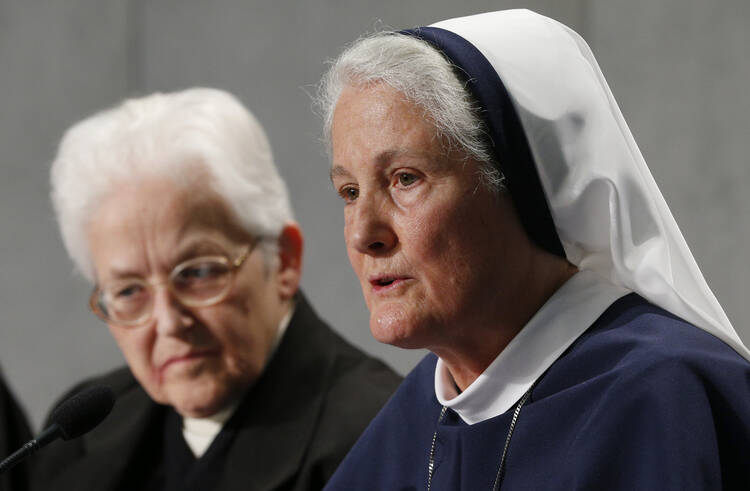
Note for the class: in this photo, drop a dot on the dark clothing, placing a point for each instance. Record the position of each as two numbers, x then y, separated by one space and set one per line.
14 432
290 432
641 401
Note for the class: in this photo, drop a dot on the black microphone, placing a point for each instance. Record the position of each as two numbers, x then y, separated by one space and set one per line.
72 418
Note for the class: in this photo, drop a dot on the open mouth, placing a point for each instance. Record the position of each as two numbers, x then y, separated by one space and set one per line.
384 281
381 283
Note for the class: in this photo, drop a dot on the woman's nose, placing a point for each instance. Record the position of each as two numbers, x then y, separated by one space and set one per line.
172 318
369 229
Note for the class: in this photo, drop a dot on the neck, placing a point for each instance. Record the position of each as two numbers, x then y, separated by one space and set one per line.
472 350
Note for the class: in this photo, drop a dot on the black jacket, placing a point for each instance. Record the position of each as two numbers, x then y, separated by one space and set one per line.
14 432
314 398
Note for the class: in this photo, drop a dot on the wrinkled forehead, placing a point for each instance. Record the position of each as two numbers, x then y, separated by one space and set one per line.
164 208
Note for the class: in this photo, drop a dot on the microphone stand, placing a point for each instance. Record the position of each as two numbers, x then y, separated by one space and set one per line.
50 434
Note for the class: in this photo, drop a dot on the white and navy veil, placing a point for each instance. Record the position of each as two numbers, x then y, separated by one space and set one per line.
578 180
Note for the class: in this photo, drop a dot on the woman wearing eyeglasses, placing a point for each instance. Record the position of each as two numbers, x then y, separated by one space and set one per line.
172 207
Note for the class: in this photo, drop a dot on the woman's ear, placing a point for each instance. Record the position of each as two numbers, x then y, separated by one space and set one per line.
291 245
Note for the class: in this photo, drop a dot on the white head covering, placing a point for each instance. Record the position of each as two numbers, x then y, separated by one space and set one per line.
609 215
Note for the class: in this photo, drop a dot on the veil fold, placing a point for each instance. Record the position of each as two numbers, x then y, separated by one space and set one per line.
579 181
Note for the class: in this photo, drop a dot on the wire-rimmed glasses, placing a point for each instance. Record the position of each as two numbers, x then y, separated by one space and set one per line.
197 282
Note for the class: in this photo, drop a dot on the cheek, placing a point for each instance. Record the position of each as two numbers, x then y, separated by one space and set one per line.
355 257
241 327
441 244
348 230
224 325
137 348
136 345
426 234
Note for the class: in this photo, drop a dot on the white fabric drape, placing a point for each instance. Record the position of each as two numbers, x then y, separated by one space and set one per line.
610 215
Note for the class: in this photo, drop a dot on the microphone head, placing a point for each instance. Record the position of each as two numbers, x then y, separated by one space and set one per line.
81 412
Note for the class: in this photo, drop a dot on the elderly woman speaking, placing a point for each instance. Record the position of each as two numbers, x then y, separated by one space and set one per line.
172 206
498 213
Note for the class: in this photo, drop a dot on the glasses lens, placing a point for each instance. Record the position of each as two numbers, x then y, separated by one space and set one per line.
199 282
124 302
202 279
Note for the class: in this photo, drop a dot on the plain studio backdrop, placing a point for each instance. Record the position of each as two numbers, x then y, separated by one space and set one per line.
679 70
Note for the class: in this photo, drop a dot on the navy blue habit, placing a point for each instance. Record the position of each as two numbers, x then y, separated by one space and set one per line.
641 401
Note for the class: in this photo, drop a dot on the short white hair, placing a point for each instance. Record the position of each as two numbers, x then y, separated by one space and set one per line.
168 134
425 78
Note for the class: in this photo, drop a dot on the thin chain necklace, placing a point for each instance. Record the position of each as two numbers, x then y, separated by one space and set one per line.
501 468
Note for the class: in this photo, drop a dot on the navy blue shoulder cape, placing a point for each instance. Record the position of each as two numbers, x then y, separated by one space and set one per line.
641 401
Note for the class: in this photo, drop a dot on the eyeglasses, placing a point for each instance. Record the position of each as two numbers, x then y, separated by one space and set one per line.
198 282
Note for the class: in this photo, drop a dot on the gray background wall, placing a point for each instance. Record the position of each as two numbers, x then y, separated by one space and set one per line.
679 69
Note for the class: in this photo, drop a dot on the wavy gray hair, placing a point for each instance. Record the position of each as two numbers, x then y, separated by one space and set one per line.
425 78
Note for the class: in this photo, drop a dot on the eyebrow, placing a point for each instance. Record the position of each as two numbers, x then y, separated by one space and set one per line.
338 171
381 160
115 274
199 247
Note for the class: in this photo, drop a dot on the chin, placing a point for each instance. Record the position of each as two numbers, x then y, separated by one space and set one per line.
396 329
199 400
198 408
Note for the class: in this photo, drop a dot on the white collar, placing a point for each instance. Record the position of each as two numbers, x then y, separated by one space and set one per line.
200 432
560 321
